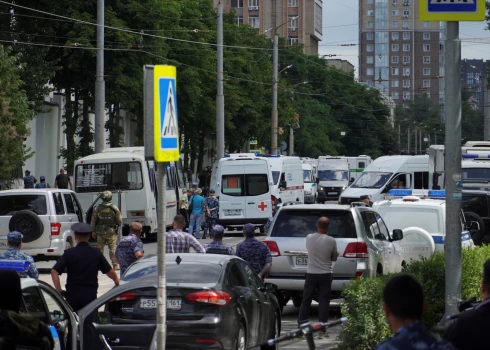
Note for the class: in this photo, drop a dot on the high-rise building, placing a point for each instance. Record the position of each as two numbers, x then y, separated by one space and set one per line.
474 79
398 53
265 14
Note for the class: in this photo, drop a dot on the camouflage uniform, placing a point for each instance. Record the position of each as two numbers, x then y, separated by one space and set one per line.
29 181
126 250
256 253
218 247
414 336
210 202
23 331
105 220
16 254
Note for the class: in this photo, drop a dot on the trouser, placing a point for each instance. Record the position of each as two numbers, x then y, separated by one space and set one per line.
80 296
185 214
110 239
195 222
208 226
313 283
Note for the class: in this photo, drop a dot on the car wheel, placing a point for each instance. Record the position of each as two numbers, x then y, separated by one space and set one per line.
27 223
275 333
476 235
241 340
297 301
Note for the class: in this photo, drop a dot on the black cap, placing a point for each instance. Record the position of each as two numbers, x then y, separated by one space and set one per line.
81 228
364 197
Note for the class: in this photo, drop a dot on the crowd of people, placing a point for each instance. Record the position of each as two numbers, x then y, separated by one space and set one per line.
62 180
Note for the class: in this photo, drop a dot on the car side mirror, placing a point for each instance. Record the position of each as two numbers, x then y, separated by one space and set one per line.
283 184
351 180
104 317
270 287
397 235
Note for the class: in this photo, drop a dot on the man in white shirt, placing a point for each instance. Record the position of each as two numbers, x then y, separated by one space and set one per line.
322 251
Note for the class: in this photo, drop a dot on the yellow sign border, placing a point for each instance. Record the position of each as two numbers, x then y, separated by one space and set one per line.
425 15
167 72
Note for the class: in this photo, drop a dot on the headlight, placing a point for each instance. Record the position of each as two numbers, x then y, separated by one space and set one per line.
321 188
343 188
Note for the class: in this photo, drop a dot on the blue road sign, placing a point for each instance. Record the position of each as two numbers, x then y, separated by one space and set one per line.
452 10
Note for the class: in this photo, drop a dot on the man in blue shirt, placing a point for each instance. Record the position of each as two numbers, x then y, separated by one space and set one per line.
197 203
403 304
256 253
14 241
217 246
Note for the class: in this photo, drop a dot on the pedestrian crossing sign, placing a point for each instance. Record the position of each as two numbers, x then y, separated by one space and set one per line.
452 10
166 130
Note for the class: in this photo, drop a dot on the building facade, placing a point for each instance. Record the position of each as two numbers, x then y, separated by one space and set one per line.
343 65
398 53
474 79
265 14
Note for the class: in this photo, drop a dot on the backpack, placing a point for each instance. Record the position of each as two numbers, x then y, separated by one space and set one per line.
63 181
106 215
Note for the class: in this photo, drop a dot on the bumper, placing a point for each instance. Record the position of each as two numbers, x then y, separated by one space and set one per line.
242 221
310 198
297 285
328 196
201 334
56 250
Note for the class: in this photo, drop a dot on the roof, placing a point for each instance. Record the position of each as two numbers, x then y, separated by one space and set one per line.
34 191
217 259
116 155
388 163
316 207
422 202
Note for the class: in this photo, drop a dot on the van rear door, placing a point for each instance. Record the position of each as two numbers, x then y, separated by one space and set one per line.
258 194
232 195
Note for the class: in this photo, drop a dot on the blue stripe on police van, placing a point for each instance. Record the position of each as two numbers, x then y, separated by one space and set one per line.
465 236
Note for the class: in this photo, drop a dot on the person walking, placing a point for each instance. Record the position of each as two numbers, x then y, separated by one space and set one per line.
322 252
130 248
14 243
82 264
469 331
211 207
106 219
184 205
62 180
403 304
42 183
196 205
217 246
178 241
19 330
255 252
29 180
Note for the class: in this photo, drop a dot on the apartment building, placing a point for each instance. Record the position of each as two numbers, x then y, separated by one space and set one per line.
474 78
398 53
264 14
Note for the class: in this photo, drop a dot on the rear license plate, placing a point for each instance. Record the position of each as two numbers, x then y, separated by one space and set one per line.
172 304
301 261
236 212
332 193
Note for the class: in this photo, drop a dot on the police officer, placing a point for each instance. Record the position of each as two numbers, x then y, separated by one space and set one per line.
217 246
256 253
14 242
211 208
106 218
42 183
365 199
130 248
82 264
29 180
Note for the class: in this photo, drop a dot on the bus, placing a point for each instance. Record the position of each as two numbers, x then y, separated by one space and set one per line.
134 183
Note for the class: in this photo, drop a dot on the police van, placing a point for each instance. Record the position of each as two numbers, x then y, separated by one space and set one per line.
333 177
357 165
309 179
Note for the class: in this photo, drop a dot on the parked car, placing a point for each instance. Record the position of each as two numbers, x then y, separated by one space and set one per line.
476 208
213 301
365 246
43 216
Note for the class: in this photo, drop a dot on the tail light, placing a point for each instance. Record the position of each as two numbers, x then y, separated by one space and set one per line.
138 213
358 274
215 297
55 229
125 296
273 203
273 248
356 250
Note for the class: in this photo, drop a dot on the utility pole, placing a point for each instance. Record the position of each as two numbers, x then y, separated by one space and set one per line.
399 136
453 167
291 141
408 141
415 143
220 97
275 64
99 82
420 141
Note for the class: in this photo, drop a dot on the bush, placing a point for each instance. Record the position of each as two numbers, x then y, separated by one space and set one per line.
366 325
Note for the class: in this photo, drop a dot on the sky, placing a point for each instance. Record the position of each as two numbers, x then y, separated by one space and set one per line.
340 26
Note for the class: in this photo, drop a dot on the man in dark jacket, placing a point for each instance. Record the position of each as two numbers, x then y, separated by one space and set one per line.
470 331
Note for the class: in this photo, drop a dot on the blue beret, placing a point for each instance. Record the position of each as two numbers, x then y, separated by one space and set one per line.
14 237
212 191
218 230
249 229
81 228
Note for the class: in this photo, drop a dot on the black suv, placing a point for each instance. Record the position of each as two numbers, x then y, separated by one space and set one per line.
476 208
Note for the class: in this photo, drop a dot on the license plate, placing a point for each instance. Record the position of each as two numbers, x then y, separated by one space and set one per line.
233 212
172 304
301 261
332 193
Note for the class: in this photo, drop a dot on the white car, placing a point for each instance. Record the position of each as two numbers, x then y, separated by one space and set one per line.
420 213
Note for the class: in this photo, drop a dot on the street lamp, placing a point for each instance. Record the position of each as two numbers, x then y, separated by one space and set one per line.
275 63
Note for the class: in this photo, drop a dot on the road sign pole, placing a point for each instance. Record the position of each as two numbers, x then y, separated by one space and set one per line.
161 251
453 167
220 97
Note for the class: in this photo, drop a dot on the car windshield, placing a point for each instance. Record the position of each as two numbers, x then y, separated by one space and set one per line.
475 174
11 204
476 204
183 273
300 223
372 179
401 218
333 175
306 176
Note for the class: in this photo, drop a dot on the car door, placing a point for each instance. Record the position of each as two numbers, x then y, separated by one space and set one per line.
101 321
232 197
394 258
258 194
381 239
71 213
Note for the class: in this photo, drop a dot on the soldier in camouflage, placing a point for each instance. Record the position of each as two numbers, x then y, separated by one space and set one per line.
29 180
255 252
106 218
211 205
130 248
14 241
217 246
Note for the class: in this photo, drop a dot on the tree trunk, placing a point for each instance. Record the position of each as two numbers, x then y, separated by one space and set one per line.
200 154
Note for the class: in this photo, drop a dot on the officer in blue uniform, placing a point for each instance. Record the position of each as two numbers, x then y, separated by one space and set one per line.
42 183
14 242
130 248
256 253
83 264
29 180
217 246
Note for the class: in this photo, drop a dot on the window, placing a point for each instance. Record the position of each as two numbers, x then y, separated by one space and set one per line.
33 304
293 22
253 3
426 83
370 24
293 41
395 36
56 311
394 83
395 95
428 94
406 59
110 176
394 24
370 221
406 24
370 71
370 59
469 78
395 47
370 36
394 59
406 35
251 276
426 47
369 47
426 35
70 207
232 185
236 3
239 20
426 24
257 184
406 95
370 12
425 218
394 71
253 21
369 2
11 204
406 83
292 3
406 71
370 83
426 59
406 13
426 71
406 47
395 2
394 12
58 204
235 276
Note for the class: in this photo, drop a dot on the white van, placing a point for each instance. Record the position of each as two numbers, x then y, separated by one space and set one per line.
287 178
357 165
333 178
314 164
386 173
309 179
243 186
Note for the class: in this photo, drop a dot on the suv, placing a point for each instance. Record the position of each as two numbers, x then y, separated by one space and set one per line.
43 216
365 246
476 207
